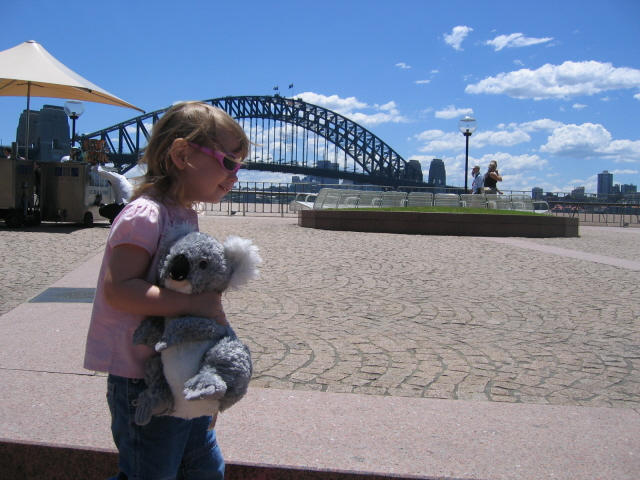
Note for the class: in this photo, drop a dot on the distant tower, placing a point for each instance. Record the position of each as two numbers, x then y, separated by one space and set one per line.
413 171
437 173
48 133
536 193
605 183
577 192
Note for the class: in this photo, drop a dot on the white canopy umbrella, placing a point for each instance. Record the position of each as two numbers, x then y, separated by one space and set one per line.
29 70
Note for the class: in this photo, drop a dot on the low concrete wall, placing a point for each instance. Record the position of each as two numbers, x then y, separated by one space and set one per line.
427 223
25 460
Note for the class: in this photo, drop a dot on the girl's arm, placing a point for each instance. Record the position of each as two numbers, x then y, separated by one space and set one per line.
126 289
495 176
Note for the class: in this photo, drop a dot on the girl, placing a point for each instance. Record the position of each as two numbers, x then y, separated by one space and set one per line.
193 156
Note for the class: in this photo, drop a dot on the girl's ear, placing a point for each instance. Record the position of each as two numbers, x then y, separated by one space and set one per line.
178 152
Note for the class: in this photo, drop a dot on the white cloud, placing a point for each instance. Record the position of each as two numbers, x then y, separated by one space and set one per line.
387 107
508 163
637 96
352 108
503 138
622 150
422 82
577 140
588 183
625 171
515 40
428 135
541 124
591 141
559 81
452 112
457 36
403 66
436 141
388 114
579 106
564 141
332 102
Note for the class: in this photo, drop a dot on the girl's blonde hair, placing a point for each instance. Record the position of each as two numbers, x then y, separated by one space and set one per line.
195 122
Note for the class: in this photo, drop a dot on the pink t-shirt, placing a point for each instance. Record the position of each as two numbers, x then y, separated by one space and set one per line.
110 346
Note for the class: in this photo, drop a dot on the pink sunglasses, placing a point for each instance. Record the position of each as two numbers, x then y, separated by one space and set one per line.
226 160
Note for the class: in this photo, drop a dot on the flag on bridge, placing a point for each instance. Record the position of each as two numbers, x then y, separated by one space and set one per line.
291 85
276 87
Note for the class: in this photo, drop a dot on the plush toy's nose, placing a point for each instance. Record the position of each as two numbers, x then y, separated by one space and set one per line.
179 268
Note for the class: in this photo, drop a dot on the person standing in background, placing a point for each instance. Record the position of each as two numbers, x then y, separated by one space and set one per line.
478 180
491 178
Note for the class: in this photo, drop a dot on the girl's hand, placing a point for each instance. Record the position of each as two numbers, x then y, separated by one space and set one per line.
209 305
126 289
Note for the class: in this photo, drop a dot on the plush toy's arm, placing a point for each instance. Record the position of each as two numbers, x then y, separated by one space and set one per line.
157 398
224 373
149 331
190 329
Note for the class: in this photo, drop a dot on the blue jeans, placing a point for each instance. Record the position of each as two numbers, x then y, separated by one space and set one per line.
166 448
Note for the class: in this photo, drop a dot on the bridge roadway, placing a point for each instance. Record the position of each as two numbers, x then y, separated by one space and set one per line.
482 321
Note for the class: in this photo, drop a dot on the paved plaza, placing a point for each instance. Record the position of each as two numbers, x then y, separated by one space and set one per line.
535 321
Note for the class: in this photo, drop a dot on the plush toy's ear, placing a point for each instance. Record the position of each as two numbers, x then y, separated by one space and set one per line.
243 258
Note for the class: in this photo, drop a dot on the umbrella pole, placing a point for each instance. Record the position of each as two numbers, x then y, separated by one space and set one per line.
26 140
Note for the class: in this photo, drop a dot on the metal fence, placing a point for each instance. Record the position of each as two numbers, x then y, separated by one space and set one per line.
598 213
274 199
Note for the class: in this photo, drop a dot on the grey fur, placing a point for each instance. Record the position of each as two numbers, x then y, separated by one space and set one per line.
149 332
225 368
224 375
157 398
190 329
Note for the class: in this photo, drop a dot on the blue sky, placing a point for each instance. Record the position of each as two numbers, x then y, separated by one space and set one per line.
554 85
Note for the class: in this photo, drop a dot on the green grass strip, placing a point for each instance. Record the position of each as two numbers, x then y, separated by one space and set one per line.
479 211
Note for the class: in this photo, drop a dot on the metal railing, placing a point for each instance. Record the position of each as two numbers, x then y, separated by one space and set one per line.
598 213
274 199
257 198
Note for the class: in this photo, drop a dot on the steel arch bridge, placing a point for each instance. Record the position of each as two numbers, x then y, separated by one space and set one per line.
289 135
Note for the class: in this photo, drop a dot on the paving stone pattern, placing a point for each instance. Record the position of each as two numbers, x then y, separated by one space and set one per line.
34 258
418 316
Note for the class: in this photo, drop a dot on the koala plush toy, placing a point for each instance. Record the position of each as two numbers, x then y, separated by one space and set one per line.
203 367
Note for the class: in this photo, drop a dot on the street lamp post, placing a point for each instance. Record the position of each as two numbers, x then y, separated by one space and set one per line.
73 109
467 126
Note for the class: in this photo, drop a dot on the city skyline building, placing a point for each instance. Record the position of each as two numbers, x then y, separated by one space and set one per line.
325 164
536 193
48 133
578 192
605 183
437 173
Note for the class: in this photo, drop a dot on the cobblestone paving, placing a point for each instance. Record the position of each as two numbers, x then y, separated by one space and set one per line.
34 258
419 316
439 317
613 242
